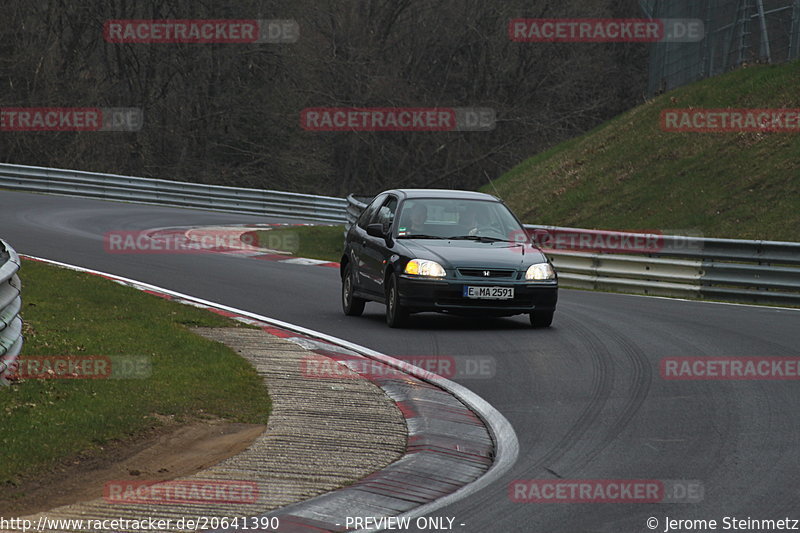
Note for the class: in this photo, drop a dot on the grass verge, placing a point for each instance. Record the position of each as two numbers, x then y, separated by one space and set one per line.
43 422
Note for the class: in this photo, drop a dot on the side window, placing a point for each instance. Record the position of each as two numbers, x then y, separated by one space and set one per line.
366 216
385 215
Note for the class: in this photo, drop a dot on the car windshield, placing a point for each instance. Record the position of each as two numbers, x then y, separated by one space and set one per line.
458 219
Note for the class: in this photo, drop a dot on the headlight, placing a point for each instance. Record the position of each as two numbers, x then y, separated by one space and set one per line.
540 272
423 267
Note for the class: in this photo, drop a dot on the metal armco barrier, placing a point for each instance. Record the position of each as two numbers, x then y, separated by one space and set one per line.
172 193
764 272
10 304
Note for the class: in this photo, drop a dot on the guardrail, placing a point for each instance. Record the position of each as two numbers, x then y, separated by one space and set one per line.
10 304
764 272
172 193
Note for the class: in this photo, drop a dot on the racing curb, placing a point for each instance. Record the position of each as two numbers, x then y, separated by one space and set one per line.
457 442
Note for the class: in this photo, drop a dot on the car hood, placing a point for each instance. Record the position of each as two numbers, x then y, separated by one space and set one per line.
475 254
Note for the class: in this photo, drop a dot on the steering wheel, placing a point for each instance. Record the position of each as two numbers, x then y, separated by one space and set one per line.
483 230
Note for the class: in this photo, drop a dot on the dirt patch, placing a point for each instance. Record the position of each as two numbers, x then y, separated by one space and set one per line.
164 453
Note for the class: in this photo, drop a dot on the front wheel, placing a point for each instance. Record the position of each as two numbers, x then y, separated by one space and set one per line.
542 319
351 305
396 314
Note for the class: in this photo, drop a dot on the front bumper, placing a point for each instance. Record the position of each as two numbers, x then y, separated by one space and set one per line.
419 294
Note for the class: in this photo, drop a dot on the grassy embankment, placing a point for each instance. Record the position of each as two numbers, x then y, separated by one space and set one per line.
629 174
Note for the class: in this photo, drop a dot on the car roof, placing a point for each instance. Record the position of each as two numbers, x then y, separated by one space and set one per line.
441 193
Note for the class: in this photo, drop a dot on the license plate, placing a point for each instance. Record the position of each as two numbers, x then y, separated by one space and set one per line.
489 293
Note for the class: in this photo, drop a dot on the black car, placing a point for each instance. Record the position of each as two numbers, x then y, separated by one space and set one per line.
449 251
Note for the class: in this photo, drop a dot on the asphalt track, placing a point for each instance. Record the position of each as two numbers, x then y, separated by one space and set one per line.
585 396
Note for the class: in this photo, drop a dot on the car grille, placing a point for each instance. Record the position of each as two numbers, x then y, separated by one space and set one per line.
494 273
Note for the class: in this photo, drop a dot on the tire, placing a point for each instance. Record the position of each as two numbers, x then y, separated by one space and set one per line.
542 319
351 305
396 315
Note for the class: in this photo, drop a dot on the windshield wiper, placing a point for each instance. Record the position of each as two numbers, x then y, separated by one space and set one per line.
481 238
418 236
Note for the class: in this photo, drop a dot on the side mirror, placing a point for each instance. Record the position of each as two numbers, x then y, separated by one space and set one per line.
376 230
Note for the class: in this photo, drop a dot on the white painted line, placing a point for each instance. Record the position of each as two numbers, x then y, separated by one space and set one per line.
303 261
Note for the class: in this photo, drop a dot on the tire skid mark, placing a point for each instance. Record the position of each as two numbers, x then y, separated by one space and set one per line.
602 384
